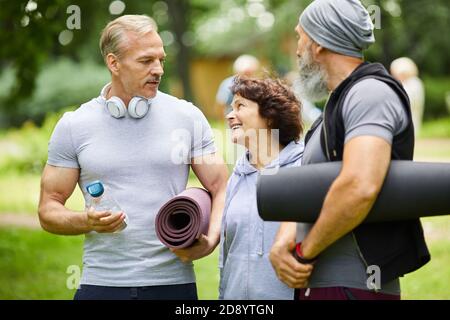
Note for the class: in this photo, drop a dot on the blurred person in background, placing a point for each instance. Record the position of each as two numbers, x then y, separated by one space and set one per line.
245 65
406 71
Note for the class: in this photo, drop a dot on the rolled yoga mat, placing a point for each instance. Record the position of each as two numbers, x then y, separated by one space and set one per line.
410 190
181 220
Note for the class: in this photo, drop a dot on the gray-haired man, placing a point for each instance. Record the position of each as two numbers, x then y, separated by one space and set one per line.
124 137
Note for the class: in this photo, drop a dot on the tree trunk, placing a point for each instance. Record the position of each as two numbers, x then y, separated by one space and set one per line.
386 42
179 15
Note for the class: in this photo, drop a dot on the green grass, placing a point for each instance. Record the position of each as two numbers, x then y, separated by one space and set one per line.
439 128
19 193
207 275
433 280
34 264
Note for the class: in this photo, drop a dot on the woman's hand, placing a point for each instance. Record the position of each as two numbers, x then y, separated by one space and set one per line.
201 248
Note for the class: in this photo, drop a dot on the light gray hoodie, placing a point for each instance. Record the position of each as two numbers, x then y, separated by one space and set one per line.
245 269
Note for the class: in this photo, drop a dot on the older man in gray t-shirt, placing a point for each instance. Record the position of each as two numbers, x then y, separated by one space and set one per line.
141 143
371 108
138 161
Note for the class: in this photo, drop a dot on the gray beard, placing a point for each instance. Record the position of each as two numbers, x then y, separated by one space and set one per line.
311 83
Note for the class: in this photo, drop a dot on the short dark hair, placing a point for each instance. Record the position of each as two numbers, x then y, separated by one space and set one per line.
277 103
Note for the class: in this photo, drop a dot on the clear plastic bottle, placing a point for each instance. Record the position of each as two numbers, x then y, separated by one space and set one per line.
103 201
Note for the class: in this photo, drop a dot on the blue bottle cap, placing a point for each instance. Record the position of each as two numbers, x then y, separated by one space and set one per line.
95 189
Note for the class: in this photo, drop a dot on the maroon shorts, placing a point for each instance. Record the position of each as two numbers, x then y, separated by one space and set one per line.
341 293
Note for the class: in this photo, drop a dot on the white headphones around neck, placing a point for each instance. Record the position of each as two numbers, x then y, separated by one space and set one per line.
137 107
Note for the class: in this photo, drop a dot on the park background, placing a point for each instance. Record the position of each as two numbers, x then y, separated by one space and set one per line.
49 64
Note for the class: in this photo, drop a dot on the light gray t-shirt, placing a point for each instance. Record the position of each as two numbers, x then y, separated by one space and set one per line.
144 162
370 108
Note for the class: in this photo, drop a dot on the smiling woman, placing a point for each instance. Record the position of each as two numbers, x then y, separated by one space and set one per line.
265 119
263 110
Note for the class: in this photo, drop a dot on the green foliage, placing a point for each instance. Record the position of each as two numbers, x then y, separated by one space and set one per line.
19 193
61 83
31 45
408 28
25 149
439 128
30 38
436 91
25 33
414 29
28 156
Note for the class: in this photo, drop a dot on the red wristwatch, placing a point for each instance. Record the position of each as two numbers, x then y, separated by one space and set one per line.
298 254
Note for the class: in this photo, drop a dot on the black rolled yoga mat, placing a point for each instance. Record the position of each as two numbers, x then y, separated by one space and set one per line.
410 190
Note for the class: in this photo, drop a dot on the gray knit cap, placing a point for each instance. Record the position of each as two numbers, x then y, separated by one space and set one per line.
342 26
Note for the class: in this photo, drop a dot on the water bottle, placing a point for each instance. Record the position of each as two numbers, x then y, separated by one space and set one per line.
103 201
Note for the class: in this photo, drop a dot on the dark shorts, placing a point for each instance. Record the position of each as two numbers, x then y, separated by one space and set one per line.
186 291
342 293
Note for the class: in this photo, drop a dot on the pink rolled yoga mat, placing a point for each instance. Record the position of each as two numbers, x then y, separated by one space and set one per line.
181 220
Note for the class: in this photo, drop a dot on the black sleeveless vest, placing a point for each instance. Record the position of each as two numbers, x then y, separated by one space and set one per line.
396 247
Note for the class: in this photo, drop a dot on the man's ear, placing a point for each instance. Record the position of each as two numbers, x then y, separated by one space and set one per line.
318 51
113 63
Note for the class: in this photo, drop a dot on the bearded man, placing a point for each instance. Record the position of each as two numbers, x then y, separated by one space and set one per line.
366 124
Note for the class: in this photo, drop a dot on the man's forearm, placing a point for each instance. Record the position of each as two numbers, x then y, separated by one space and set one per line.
286 232
345 207
57 219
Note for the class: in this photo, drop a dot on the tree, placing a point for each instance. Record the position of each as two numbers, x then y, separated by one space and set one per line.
30 30
29 36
